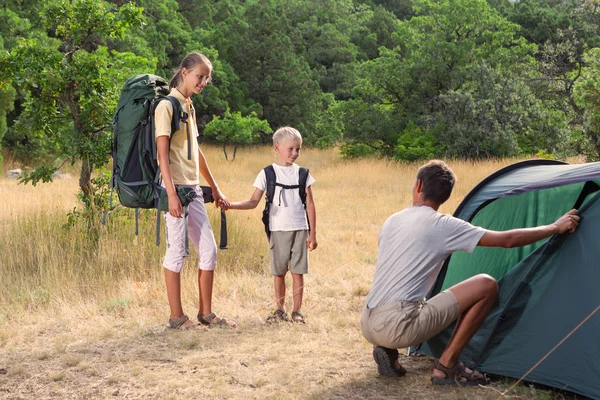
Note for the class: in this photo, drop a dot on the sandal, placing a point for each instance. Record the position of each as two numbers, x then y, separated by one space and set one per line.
297 317
386 361
278 316
177 323
458 375
213 319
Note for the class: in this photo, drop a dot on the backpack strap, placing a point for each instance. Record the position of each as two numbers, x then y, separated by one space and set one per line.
302 178
178 116
271 183
270 193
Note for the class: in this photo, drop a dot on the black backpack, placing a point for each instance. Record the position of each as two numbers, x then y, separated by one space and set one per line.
136 175
270 192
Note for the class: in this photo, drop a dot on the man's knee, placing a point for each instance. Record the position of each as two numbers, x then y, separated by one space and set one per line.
488 285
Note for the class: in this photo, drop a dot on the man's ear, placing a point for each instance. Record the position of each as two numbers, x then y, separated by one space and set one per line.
419 186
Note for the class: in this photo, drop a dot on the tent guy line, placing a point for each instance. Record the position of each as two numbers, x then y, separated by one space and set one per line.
548 353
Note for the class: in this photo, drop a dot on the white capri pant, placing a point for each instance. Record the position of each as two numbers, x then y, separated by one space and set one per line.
200 236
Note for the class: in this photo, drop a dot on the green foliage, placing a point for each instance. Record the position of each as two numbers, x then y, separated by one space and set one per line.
357 150
70 83
414 144
587 96
235 129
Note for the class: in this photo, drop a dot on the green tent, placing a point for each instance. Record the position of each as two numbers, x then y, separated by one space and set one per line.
546 289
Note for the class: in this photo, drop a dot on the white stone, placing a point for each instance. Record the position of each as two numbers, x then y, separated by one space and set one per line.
14 173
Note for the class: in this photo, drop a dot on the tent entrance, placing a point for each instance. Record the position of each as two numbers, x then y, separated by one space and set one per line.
540 207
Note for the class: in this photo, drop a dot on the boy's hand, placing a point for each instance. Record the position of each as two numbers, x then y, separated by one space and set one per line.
311 242
175 206
568 222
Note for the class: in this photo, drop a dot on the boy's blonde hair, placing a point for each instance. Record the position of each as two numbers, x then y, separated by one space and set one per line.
286 133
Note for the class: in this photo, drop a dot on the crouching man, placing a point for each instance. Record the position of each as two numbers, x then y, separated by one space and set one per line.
413 245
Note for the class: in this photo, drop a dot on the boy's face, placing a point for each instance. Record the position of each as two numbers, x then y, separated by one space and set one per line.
288 151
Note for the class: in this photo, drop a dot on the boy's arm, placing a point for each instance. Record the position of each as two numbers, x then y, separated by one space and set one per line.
248 204
312 219
522 237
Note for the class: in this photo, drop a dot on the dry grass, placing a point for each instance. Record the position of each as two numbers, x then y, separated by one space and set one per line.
87 321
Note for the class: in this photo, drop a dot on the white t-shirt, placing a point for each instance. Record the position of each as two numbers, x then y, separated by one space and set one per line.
413 245
287 211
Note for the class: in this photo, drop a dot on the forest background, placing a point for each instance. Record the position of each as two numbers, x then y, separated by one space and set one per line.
402 79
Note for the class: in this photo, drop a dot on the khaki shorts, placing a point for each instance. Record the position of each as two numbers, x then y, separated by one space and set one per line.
407 323
288 248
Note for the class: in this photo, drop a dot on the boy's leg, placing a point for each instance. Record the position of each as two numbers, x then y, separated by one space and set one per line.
299 266
280 245
297 290
476 297
279 283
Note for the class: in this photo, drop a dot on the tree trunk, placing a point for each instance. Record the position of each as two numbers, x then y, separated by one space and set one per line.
234 151
85 179
225 150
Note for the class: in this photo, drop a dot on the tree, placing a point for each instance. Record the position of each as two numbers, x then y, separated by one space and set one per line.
233 129
587 96
71 81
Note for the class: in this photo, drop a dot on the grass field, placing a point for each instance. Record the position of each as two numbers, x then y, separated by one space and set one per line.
85 319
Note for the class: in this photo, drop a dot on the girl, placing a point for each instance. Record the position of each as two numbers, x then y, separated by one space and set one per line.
180 167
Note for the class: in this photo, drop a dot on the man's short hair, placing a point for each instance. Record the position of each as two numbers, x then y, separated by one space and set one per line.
438 181
286 133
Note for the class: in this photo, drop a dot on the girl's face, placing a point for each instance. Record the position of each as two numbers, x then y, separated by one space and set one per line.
194 80
288 151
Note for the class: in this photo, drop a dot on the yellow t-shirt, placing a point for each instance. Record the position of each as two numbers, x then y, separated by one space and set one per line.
183 171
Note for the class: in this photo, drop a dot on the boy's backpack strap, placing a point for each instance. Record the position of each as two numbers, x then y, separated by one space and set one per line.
302 178
270 189
271 183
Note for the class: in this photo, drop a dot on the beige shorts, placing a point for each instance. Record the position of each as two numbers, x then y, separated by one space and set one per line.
407 323
288 250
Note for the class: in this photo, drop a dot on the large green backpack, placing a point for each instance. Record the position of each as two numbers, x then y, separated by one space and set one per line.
136 175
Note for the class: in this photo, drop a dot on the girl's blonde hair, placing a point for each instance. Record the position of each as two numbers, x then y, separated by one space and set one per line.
286 133
190 61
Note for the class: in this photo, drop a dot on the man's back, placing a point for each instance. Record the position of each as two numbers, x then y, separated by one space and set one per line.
413 244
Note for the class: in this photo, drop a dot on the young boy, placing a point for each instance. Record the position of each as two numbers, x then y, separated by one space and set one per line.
413 244
290 235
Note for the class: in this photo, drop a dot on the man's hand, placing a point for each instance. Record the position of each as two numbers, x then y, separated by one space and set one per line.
568 223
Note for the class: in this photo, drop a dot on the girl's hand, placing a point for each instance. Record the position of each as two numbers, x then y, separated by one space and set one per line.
175 206
311 242
220 199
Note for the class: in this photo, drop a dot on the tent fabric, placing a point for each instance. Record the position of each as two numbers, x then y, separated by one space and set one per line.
546 289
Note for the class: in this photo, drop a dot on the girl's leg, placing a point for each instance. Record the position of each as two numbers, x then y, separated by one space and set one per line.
174 293
205 286
279 281
298 290
173 263
202 238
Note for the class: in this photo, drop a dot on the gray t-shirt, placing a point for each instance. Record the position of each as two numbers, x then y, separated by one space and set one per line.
413 245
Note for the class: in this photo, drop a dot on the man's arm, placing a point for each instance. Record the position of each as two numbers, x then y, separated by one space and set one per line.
522 237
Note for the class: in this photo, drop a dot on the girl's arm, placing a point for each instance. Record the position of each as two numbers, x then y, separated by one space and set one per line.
312 219
220 199
248 204
162 148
